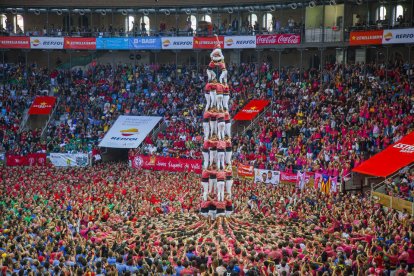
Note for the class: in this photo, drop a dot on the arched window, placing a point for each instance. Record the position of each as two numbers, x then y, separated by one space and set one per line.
268 21
18 24
193 21
252 19
206 18
3 19
381 13
144 23
398 15
129 23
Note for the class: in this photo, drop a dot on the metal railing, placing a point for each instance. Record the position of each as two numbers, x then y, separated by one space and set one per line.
256 120
23 123
377 186
50 117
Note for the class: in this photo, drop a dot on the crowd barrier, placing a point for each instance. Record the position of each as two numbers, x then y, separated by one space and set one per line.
393 202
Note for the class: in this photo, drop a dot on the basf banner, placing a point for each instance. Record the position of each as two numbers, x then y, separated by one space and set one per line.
239 42
128 132
115 43
80 43
145 43
40 42
398 36
171 43
14 42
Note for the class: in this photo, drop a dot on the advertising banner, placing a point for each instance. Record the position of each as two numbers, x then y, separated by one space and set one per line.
42 105
207 42
391 159
366 37
128 132
160 163
266 176
239 42
251 110
277 39
171 43
31 159
80 43
69 159
115 43
144 43
14 42
245 171
398 36
293 177
39 42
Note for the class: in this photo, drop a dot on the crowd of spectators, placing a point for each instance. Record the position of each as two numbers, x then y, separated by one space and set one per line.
400 185
330 127
113 220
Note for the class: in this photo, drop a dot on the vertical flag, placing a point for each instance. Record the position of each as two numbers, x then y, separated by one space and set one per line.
334 184
301 180
317 181
325 184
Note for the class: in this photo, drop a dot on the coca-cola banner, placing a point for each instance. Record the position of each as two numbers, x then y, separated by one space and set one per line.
277 39
32 159
159 163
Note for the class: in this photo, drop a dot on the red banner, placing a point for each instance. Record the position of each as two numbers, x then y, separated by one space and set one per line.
15 42
390 160
207 42
32 159
277 39
159 163
366 37
80 43
251 110
293 177
245 170
42 105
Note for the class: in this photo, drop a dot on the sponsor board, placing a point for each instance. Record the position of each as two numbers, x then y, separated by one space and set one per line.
277 39
129 131
69 159
171 43
80 43
145 43
160 163
398 36
366 37
239 42
14 42
39 42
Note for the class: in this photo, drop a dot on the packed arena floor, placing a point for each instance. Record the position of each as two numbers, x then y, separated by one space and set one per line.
112 220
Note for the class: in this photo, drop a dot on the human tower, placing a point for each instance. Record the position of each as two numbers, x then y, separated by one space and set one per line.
216 178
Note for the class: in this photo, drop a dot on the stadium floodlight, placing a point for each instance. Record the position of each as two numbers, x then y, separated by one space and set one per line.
312 4
293 6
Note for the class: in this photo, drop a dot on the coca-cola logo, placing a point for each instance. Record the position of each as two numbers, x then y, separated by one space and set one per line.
277 39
